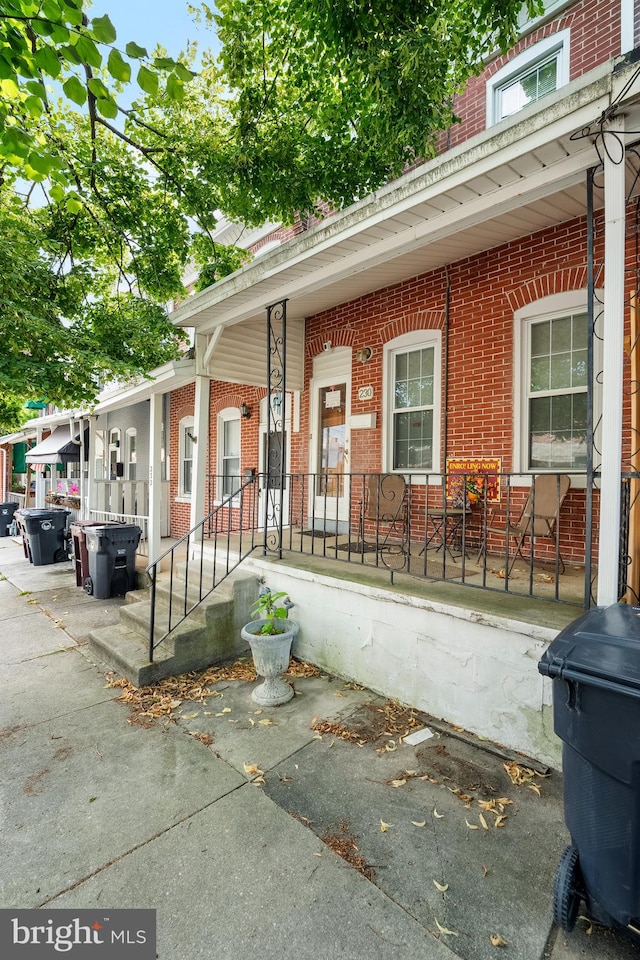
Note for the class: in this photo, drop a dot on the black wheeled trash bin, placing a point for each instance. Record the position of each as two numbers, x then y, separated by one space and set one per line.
111 551
44 534
7 511
595 667
77 529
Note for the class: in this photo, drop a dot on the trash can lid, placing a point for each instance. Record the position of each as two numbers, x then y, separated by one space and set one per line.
600 648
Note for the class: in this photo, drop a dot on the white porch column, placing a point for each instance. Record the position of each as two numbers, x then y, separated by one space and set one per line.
613 332
201 431
155 476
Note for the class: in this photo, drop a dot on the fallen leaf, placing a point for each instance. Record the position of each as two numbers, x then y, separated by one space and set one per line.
485 870
251 769
339 693
258 781
534 787
497 940
251 721
92 799
267 722
437 815
500 821
226 709
442 887
396 783
189 716
422 823
447 933
384 826
472 826
485 825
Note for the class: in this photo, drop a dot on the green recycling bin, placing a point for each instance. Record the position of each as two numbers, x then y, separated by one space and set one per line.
111 552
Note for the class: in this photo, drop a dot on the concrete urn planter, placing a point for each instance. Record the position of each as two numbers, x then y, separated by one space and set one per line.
271 654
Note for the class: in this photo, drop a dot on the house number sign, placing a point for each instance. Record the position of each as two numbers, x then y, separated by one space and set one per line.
365 393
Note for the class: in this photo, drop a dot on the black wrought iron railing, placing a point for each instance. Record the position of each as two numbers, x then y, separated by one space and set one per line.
231 528
494 531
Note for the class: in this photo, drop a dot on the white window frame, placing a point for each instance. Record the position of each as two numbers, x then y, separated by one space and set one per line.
187 424
416 340
115 444
521 64
131 434
99 455
224 416
547 308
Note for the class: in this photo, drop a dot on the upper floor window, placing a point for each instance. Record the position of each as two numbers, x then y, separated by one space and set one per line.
413 422
537 71
554 387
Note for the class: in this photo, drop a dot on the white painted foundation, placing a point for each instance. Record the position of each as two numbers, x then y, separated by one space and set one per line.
472 669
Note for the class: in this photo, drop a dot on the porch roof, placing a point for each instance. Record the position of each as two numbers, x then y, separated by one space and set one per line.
523 175
170 376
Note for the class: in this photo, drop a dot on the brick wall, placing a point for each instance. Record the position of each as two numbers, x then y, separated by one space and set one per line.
594 39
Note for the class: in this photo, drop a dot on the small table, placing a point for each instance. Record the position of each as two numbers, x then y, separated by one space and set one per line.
447 525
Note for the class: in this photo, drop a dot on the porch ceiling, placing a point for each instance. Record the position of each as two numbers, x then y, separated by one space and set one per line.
521 177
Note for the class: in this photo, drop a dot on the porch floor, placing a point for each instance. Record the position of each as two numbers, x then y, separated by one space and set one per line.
530 597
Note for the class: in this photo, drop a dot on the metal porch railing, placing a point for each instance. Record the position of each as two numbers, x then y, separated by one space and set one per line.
231 528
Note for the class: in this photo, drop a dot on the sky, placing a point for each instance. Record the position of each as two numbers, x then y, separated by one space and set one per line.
149 22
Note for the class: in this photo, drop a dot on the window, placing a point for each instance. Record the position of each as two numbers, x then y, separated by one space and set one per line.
131 453
98 472
115 462
552 408
228 452
186 442
413 377
537 71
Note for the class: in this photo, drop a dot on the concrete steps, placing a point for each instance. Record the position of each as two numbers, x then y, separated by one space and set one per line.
210 632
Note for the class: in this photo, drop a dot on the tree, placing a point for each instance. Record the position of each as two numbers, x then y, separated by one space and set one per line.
312 102
94 237
332 98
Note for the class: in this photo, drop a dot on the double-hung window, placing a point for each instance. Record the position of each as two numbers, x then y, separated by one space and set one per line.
536 72
413 377
554 387
229 452
186 438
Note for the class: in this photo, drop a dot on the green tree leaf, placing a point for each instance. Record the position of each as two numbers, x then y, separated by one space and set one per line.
118 68
147 80
75 90
135 52
103 30
107 107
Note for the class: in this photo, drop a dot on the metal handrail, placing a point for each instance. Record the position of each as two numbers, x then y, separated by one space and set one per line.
221 522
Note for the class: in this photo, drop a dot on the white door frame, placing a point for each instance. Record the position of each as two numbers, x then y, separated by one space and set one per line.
330 368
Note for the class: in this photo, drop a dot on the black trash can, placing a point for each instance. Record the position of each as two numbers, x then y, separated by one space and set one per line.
595 667
44 534
7 511
111 551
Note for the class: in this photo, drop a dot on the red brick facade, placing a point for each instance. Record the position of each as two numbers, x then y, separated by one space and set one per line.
471 302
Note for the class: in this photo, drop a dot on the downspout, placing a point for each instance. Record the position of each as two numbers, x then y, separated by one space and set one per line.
613 349
445 390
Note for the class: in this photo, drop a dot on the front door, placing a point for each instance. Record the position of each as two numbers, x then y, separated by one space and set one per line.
331 448
274 446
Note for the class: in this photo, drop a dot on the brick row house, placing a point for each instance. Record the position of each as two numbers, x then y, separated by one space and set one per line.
465 330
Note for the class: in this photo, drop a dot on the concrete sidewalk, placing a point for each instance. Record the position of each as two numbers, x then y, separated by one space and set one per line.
228 820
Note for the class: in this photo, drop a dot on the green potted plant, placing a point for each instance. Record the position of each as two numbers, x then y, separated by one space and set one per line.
270 636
